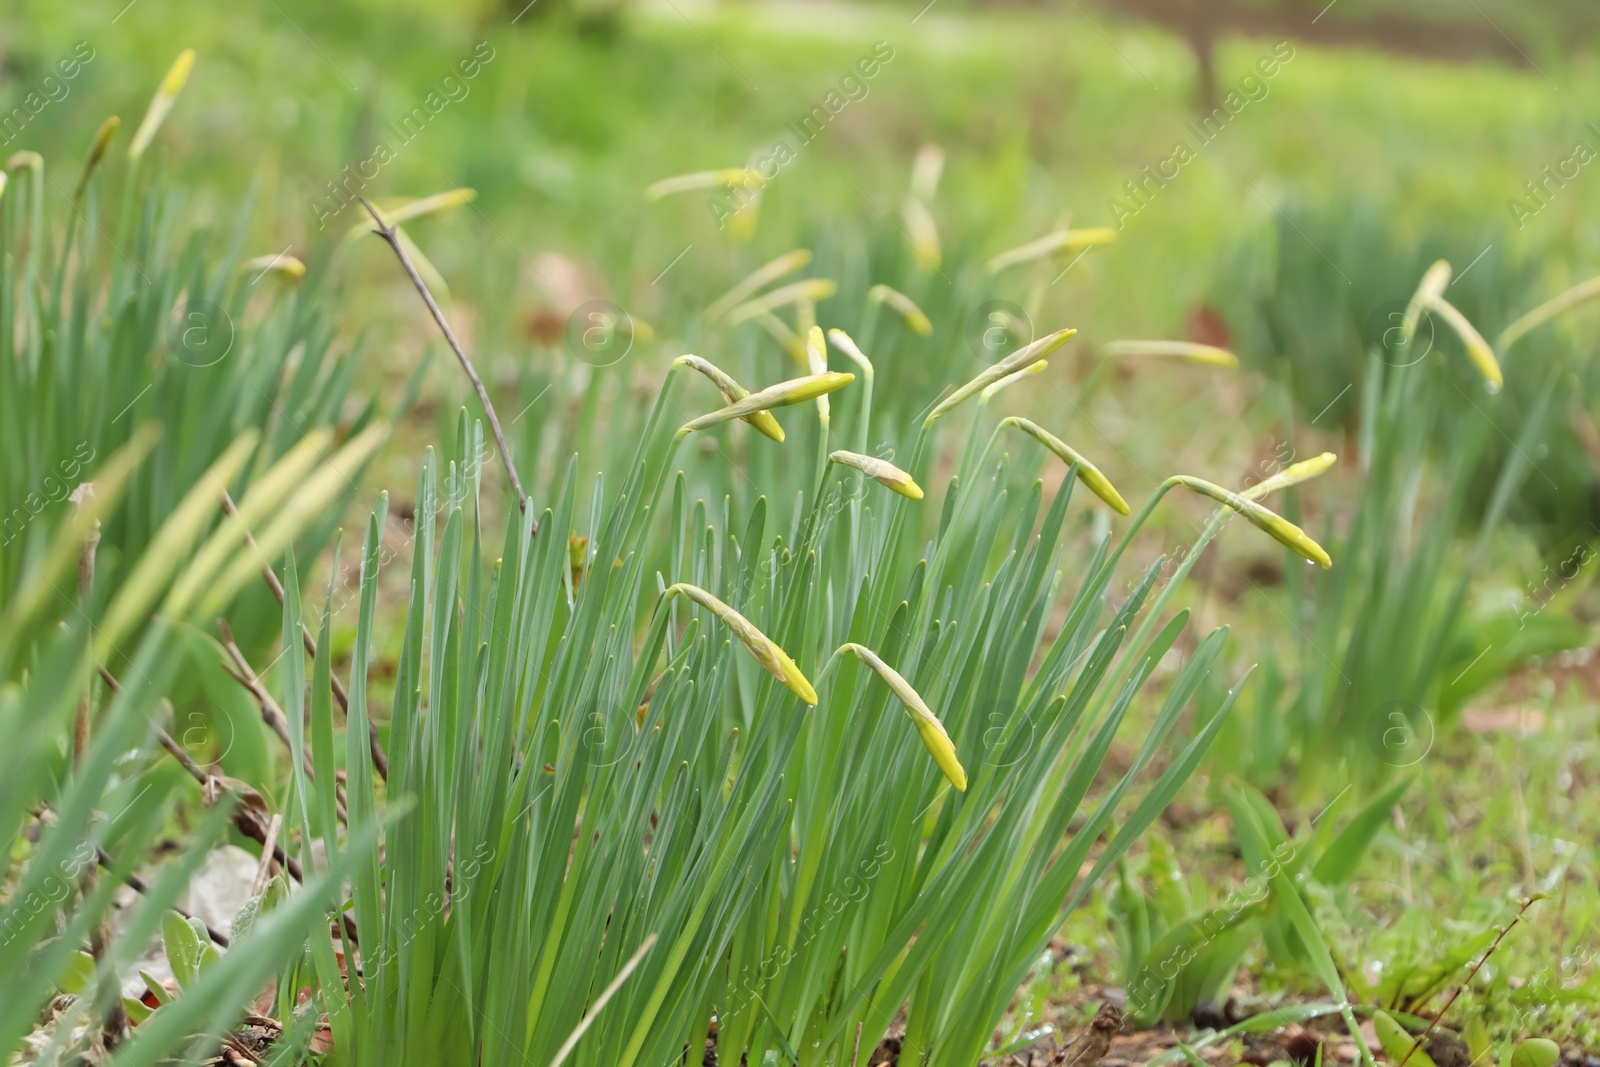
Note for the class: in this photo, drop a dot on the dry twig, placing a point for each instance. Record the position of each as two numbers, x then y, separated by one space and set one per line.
387 232
380 759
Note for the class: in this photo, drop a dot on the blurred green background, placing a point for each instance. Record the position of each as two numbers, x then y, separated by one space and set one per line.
1042 110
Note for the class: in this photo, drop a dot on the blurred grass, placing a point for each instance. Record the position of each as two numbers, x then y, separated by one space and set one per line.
561 129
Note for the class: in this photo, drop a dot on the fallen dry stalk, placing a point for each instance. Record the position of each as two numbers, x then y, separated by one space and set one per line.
387 232
380 759
245 818
46 817
271 714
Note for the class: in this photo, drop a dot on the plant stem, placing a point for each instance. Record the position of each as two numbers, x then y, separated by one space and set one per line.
1476 967
387 232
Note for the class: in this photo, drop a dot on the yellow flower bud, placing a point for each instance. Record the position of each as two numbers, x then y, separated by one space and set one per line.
766 651
1293 474
1088 473
1050 244
162 102
281 263
794 391
1023 357
764 275
1196 353
732 392
929 728
812 289
879 470
727 178
1270 522
913 315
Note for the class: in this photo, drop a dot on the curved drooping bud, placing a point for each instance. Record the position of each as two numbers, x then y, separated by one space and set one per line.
1004 368
1269 522
32 160
1050 244
733 392
929 728
879 470
766 651
1088 473
1293 474
846 344
1478 349
914 317
1192 351
1432 286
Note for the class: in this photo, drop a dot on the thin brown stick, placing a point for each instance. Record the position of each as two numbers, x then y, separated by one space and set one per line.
138 885
264 871
387 232
275 718
380 759
245 818
236 1053
100 934
80 726
46 816
271 714
1476 967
